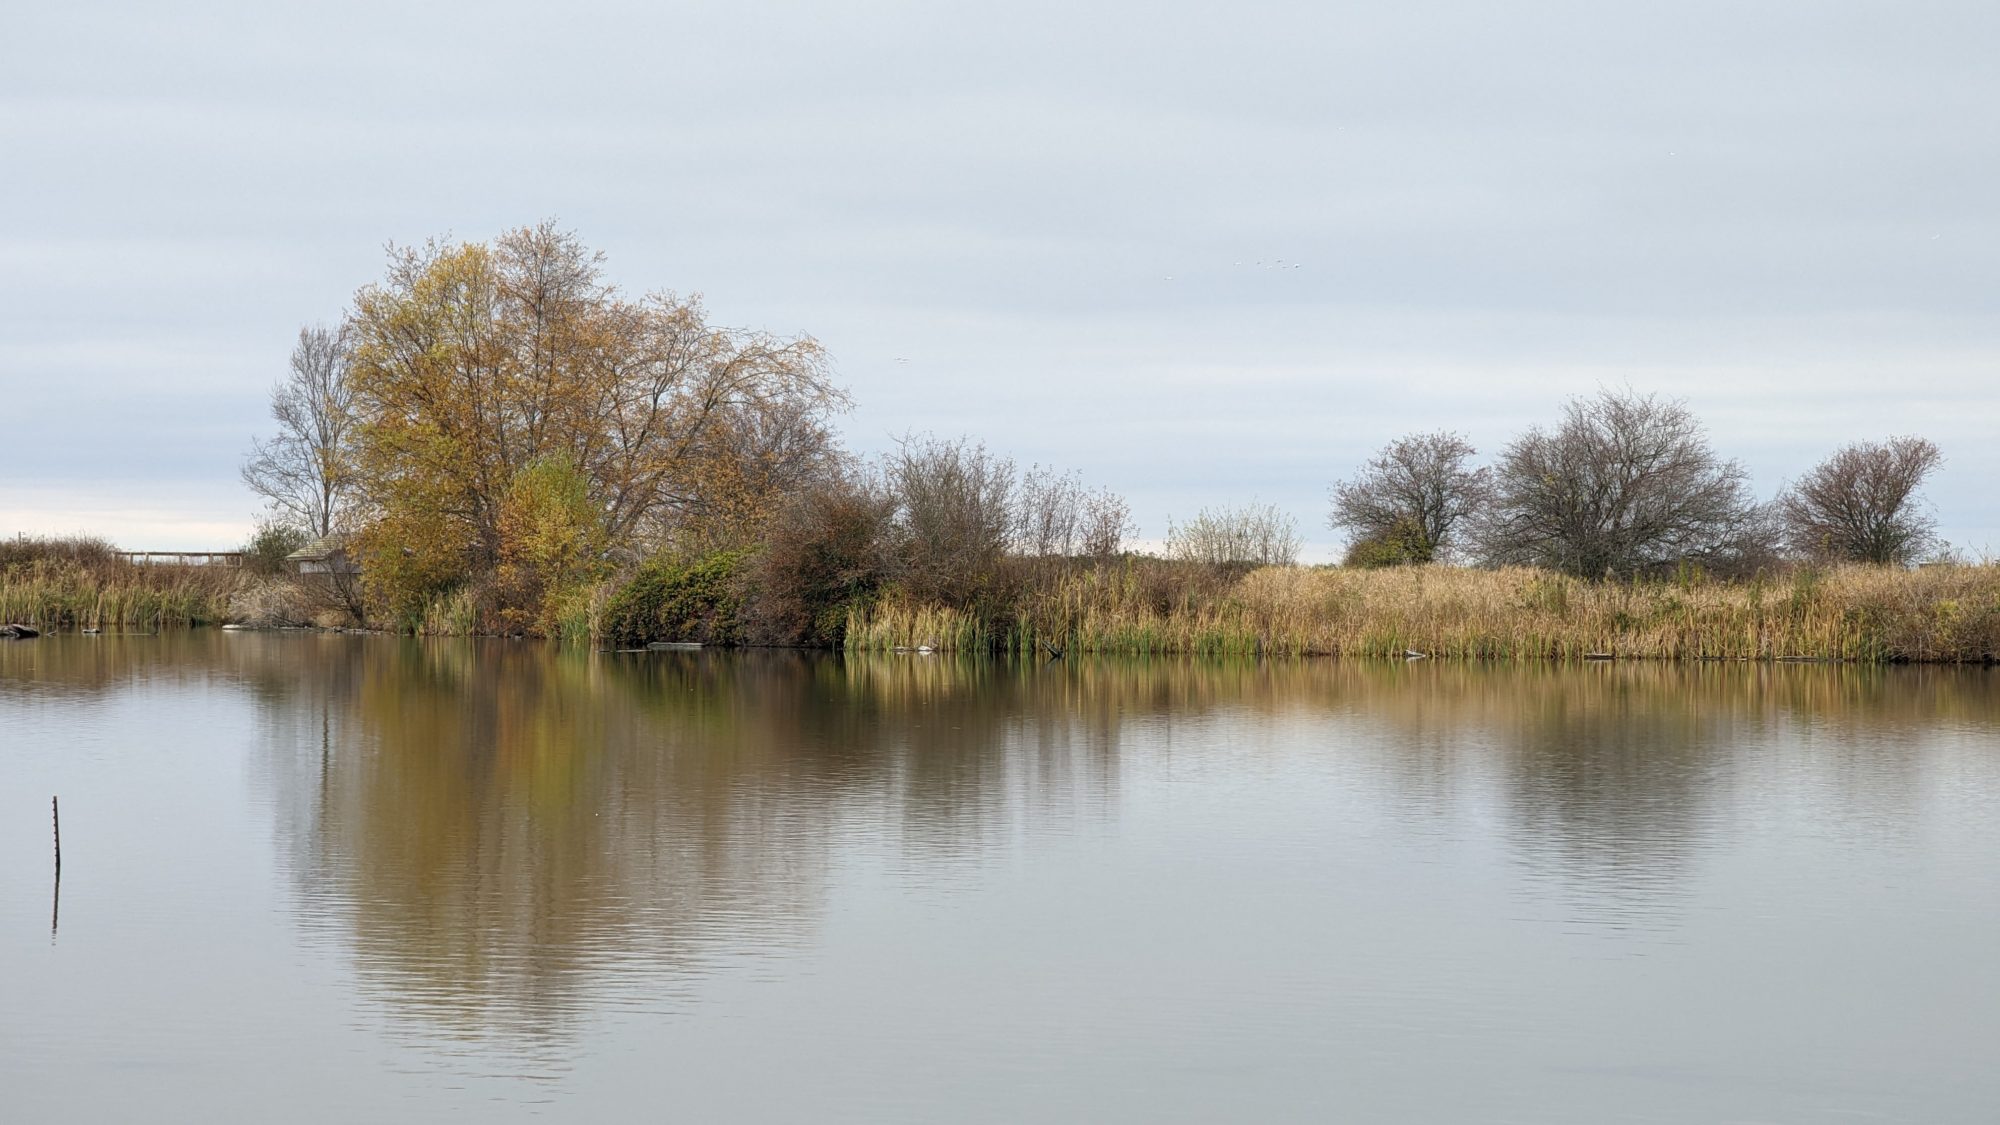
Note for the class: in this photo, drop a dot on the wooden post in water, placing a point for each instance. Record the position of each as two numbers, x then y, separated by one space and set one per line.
55 901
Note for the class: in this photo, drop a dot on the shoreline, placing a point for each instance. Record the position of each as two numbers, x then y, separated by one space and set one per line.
1449 659
1140 606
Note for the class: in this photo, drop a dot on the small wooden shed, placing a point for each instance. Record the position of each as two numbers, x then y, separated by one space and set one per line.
326 555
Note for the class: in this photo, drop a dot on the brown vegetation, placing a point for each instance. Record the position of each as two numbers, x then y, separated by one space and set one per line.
1407 504
952 519
1858 613
1626 484
1248 535
1861 504
823 555
523 427
1057 517
80 582
517 446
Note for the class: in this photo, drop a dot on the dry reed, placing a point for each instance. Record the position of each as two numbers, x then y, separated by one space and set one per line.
56 595
1853 613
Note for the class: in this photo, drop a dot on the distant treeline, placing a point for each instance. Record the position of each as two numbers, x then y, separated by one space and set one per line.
505 443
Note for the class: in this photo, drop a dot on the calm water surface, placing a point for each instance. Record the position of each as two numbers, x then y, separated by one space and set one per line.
322 878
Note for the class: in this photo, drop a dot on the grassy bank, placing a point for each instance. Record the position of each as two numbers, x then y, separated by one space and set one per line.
80 582
1872 614
1139 605
127 597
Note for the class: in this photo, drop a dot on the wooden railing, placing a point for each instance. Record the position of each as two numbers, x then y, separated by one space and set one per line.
182 558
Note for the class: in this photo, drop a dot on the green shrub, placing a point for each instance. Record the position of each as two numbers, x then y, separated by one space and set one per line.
1370 554
269 545
677 599
1405 544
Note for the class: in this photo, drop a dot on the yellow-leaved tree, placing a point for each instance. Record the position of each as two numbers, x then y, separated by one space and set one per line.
551 543
505 388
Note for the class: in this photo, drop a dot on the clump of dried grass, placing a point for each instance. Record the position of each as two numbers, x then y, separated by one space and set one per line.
274 603
1858 613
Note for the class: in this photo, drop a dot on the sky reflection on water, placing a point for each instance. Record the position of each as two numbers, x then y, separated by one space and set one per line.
326 877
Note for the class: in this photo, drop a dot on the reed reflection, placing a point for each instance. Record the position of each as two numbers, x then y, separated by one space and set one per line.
502 837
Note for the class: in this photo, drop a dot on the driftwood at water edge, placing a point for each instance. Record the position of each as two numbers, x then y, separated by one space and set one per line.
18 632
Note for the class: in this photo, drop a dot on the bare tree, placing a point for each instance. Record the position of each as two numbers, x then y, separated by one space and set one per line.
1626 483
1106 521
1861 504
1410 500
954 513
1048 513
1057 517
1257 534
304 472
823 553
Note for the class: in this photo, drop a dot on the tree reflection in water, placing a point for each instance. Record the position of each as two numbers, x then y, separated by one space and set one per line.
502 837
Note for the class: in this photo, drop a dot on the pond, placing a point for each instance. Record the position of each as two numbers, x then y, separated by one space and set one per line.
333 878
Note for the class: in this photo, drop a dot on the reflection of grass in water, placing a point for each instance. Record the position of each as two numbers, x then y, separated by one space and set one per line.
1855 613
1424 694
504 835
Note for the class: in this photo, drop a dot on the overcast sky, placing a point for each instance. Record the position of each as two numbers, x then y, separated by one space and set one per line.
1054 226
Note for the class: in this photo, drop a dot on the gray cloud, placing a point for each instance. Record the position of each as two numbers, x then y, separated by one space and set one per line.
1782 211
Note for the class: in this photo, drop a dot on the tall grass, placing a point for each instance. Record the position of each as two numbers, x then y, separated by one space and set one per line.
1142 606
455 613
1855 613
579 613
896 624
67 596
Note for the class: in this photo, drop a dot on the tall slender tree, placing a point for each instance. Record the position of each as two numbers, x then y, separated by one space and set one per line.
305 472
